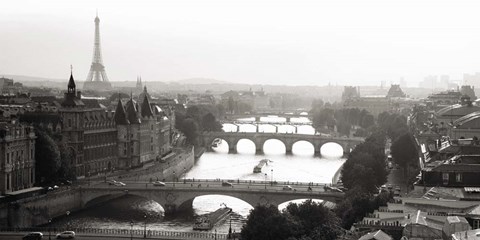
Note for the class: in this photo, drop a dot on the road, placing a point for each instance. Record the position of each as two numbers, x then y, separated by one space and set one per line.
15 236
237 185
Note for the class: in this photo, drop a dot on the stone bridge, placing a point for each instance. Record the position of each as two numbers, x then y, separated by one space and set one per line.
180 197
287 139
295 125
257 116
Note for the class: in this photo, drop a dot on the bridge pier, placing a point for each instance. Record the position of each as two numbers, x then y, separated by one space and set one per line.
258 127
288 149
258 149
232 148
287 119
276 128
257 119
296 129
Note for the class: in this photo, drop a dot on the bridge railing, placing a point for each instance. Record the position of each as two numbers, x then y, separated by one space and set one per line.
121 232
238 181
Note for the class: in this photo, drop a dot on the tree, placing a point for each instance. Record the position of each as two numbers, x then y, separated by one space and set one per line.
405 153
190 129
267 223
47 157
210 123
314 220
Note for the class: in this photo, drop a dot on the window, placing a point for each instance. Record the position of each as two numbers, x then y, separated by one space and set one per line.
476 224
8 181
69 122
8 158
445 177
458 177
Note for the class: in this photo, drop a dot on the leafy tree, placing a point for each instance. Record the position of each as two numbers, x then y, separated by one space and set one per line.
190 129
267 223
211 124
314 220
67 165
405 153
47 157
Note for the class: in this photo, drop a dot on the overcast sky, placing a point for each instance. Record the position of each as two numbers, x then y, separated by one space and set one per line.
261 41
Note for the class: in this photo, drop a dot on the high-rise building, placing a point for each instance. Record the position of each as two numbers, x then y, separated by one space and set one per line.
97 77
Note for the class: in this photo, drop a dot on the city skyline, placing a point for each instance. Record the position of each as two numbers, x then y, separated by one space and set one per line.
282 43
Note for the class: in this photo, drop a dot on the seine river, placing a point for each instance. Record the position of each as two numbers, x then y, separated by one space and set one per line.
300 166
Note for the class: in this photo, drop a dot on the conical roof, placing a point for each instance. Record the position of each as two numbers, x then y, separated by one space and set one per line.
120 115
132 112
146 110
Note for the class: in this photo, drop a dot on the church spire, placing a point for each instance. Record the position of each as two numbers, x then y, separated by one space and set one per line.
71 87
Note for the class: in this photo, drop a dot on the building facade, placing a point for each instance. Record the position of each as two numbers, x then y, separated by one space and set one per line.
17 156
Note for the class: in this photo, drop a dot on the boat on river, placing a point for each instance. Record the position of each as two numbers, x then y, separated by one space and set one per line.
216 142
208 221
260 165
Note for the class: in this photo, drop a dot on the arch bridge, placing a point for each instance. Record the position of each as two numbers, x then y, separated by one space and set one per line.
179 196
257 116
257 124
259 139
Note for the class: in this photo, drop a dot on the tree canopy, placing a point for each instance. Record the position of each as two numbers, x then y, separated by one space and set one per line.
308 220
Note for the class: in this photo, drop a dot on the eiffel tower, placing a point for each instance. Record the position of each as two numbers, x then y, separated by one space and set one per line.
97 77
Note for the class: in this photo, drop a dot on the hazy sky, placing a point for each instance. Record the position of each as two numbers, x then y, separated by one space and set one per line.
271 42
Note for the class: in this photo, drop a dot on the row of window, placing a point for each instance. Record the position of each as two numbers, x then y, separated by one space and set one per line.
17 155
458 177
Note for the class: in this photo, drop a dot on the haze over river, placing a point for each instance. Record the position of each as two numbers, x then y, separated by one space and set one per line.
301 166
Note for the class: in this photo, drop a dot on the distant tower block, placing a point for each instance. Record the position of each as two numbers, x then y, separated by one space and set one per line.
97 77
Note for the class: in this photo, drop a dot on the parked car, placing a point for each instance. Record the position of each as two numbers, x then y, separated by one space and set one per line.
111 182
119 184
227 184
66 234
33 236
287 188
159 184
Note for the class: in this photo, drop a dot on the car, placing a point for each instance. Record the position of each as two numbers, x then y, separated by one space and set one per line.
159 184
66 234
111 182
390 187
119 184
397 188
227 184
287 188
33 236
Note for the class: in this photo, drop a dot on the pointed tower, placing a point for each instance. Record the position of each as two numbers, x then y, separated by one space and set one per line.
72 113
97 77
120 115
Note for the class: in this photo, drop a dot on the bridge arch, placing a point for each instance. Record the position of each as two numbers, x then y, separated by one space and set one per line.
261 144
188 203
246 141
332 146
306 151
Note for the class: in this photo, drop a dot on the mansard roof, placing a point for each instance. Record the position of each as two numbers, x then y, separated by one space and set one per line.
120 115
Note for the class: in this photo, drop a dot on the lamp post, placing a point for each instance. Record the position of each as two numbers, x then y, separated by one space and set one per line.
265 181
184 175
49 222
68 224
271 181
131 230
145 226
173 178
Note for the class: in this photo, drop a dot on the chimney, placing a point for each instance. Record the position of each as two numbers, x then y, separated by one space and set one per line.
79 94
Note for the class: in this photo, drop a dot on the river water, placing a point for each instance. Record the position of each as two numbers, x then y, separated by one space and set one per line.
301 166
